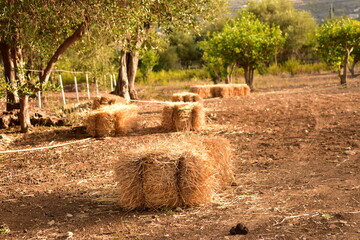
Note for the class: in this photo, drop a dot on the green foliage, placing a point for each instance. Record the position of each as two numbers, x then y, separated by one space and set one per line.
164 77
337 38
247 42
299 26
148 59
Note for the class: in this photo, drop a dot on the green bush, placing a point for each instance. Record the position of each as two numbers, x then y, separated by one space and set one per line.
164 77
292 66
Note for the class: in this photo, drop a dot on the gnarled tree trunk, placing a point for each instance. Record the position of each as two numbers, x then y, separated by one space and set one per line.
122 86
249 76
24 113
12 98
132 65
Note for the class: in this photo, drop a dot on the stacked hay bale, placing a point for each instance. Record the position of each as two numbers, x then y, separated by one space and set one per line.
221 90
105 100
171 173
183 116
186 97
112 120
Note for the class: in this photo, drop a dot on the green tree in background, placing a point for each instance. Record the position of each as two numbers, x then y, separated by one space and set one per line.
337 39
299 26
247 43
148 59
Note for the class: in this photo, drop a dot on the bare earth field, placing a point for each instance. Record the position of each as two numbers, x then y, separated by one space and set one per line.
297 158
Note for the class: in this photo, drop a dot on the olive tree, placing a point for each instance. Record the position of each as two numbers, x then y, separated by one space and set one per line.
247 43
337 39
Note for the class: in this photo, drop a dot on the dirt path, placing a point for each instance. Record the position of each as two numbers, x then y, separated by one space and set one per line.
297 155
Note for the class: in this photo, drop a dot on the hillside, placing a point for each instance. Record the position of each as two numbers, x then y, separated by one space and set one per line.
318 8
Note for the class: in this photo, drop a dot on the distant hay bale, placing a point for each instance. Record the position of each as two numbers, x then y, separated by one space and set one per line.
107 99
221 90
202 90
183 116
112 120
186 97
219 149
241 90
167 173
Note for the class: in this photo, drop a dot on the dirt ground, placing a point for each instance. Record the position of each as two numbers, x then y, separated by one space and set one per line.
297 158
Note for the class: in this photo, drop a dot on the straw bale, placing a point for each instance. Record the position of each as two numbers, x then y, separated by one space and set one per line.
246 90
198 117
107 99
219 150
96 103
128 174
167 121
166 173
160 180
202 90
177 98
182 116
125 117
241 89
100 124
197 181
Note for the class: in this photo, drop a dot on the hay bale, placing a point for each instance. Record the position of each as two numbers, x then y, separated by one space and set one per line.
107 99
241 89
202 90
219 150
128 171
167 120
198 117
125 117
100 124
186 97
112 120
183 116
197 181
160 180
166 173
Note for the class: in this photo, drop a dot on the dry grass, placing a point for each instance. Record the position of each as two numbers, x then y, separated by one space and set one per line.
186 97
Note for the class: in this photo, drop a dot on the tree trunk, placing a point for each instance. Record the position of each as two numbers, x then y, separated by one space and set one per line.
230 71
352 67
24 113
132 65
122 86
77 35
12 98
343 76
249 76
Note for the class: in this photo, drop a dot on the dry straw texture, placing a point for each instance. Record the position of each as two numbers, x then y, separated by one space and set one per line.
183 116
105 100
220 151
221 90
112 120
186 97
169 173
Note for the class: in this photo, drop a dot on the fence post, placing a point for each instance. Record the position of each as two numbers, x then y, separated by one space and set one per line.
87 85
76 90
111 83
39 99
62 90
97 88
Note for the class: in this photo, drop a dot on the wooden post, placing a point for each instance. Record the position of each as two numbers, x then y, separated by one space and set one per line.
39 99
62 90
87 85
97 88
111 83
114 78
76 90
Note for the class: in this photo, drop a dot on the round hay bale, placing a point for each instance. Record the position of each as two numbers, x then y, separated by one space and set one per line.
160 180
125 118
219 150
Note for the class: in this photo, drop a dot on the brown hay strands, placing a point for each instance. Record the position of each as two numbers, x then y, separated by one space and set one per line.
125 117
167 121
186 97
219 150
107 99
160 180
100 124
198 117
202 90
182 117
